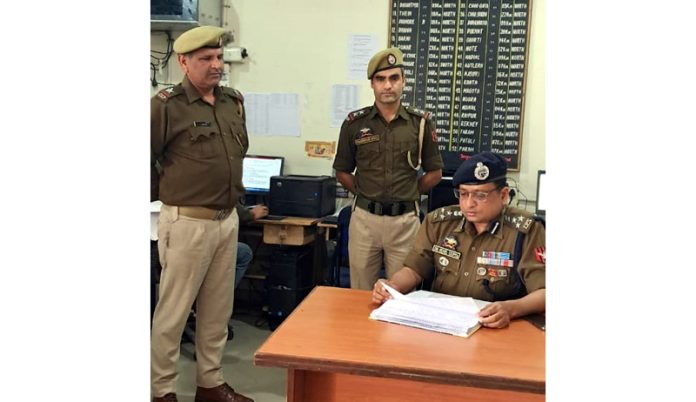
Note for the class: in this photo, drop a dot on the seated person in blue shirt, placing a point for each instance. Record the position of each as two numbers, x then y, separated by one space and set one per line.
244 253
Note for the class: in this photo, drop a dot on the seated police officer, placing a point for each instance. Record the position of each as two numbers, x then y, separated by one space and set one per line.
481 248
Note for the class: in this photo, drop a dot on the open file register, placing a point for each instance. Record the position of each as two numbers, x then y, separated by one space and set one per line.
432 311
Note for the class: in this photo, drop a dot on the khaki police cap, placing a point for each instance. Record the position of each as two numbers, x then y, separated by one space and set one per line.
196 38
385 59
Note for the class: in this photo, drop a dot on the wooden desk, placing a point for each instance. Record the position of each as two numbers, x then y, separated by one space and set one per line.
333 352
327 227
298 231
290 231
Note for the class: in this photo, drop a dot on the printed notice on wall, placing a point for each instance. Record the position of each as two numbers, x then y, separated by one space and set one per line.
270 114
360 49
344 99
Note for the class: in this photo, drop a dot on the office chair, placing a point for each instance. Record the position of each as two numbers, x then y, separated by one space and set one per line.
341 263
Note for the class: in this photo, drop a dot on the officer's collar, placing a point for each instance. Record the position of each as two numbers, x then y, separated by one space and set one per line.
401 113
495 227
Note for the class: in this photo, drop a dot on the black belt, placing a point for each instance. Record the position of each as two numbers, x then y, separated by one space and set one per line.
386 208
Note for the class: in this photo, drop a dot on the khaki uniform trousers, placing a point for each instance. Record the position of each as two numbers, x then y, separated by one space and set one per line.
373 238
198 263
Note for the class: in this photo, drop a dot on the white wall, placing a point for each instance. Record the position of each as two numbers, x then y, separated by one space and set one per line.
301 46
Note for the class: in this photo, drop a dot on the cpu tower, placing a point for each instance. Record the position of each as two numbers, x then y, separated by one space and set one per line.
290 278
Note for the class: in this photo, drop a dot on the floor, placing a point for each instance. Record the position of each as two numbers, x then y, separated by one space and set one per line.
262 384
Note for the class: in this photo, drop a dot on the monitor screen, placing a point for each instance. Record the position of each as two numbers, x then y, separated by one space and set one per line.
258 170
442 195
541 194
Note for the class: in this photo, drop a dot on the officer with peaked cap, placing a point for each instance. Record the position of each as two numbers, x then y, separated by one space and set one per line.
198 141
480 248
381 149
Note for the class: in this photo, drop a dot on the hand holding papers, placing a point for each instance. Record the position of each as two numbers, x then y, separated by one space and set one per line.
393 292
431 311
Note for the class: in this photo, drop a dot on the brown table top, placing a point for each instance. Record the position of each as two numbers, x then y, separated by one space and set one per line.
330 331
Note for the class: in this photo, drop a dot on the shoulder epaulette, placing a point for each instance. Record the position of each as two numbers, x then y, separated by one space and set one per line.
233 93
519 219
166 93
418 112
358 113
448 213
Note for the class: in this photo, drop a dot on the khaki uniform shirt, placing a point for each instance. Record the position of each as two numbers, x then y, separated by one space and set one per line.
463 259
378 152
199 147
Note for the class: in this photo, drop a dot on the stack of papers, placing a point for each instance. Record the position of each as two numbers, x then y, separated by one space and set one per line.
431 311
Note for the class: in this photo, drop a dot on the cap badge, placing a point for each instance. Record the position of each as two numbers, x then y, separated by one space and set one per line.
481 172
391 59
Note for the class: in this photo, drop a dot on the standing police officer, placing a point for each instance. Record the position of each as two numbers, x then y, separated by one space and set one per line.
480 248
385 144
198 141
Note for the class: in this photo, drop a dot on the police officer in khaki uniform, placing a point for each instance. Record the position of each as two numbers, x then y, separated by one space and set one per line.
198 141
385 144
480 248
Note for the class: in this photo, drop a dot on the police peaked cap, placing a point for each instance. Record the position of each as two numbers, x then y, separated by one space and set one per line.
484 167
199 37
384 60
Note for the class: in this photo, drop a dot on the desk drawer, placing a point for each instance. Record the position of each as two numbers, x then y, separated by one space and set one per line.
291 235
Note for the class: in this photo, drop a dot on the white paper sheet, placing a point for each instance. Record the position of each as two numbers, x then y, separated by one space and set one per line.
360 49
344 99
272 114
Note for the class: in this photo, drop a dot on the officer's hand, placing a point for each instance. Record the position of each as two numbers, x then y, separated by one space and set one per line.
495 315
379 293
259 211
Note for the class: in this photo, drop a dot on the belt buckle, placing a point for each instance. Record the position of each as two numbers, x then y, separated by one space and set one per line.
387 209
221 214
401 208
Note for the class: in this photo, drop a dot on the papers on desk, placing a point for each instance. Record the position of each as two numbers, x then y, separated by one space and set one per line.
431 311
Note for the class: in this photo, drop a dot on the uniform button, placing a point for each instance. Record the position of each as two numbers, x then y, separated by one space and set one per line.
466 274
231 157
473 248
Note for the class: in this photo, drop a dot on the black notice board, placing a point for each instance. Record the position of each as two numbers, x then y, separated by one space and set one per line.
465 62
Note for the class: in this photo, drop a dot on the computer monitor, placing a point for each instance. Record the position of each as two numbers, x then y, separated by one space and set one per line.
442 195
258 170
541 194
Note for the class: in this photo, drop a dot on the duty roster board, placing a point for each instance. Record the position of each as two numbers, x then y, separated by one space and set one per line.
465 62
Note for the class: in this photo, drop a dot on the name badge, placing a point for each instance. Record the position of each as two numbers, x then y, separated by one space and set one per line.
445 251
201 124
368 139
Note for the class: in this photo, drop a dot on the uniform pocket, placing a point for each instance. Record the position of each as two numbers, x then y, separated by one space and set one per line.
369 153
407 148
203 141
